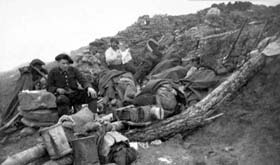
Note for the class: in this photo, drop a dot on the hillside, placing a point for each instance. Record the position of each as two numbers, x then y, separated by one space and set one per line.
249 130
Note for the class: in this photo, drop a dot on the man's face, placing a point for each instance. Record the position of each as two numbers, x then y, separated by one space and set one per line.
123 46
37 66
63 64
114 45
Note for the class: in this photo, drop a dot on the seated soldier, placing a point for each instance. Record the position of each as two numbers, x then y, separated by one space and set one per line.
32 77
63 82
127 60
113 56
39 74
116 87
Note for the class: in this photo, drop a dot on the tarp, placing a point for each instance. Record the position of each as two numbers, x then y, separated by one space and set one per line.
164 65
199 84
175 73
23 83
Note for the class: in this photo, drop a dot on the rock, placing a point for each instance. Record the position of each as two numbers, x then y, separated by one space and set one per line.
38 99
90 65
156 142
166 160
272 48
143 145
228 149
134 145
167 40
27 131
211 154
213 11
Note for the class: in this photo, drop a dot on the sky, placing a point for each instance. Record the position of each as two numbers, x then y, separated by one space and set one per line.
44 28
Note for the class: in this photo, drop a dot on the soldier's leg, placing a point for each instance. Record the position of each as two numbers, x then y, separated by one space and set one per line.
82 97
63 105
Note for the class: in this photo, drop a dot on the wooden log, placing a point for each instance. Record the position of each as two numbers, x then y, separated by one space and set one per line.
26 156
195 115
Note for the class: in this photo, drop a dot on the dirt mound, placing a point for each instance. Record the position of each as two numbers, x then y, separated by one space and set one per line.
248 133
250 130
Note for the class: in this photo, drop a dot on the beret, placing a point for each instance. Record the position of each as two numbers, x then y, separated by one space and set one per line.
64 57
37 62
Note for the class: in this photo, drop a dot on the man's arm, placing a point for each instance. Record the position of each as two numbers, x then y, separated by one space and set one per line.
44 70
81 79
51 82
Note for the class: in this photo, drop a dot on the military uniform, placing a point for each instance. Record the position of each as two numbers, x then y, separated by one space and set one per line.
74 95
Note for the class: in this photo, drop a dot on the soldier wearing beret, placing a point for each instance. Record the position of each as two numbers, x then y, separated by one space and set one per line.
65 81
39 74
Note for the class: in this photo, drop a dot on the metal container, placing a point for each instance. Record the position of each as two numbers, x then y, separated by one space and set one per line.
56 141
86 151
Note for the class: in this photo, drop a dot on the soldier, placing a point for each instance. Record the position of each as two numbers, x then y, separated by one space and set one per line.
113 55
63 82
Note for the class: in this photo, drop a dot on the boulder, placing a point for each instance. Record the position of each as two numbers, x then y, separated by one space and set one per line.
37 99
27 131
213 11
272 48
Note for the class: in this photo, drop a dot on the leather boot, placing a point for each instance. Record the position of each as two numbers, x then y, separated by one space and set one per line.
63 110
92 105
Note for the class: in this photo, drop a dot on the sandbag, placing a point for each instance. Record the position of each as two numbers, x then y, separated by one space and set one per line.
36 124
26 156
77 120
38 99
41 115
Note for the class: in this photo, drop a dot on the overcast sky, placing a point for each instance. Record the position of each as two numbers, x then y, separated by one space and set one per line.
44 28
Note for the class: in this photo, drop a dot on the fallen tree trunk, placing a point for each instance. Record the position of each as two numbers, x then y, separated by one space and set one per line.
26 156
195 115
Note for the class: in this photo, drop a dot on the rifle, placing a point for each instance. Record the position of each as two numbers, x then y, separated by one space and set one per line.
260 35
235 41
37 70
257 40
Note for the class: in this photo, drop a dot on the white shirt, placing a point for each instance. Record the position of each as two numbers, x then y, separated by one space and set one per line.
126 56
113 56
